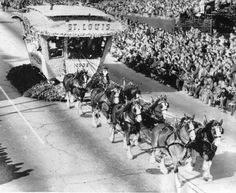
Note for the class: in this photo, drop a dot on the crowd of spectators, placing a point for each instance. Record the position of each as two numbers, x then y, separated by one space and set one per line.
196 62
148 8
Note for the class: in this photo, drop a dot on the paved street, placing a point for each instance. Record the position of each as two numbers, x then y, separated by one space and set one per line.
46 147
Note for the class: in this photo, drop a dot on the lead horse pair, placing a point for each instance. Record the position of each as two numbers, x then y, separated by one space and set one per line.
183 141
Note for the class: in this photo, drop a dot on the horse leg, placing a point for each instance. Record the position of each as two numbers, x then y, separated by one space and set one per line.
112 135
206 170
95 115
192 160
152 158
98 118
67 100
127 144
209 170
154 136
177 179
79 107
129 152
124 142
136 139
194 157
163 168
71 99
189 165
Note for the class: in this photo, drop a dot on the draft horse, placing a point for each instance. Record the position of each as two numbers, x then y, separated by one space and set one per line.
207 140
75 88
100 80
128 117
104 101
170 142
130 91
153 112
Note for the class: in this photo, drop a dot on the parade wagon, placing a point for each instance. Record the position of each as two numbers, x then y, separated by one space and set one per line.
62 39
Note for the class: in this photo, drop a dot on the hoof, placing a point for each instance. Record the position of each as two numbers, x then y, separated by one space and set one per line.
136 143
164 170
178 184
208 178
111 139
130 157
189 168
152 160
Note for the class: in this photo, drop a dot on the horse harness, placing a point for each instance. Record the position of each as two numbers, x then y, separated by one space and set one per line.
180 138
124 118
167 146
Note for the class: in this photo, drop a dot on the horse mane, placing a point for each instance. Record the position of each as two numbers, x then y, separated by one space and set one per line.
182 120
127 107
154 104
209 125
206 131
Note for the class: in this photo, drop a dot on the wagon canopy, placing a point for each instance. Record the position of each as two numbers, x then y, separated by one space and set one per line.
71 21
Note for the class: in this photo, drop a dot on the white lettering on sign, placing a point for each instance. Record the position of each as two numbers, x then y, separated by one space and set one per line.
88 26
82 65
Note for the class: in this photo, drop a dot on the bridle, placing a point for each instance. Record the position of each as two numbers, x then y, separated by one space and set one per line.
116 95
217 131
166 104
134 110
84 80
81 80
188 126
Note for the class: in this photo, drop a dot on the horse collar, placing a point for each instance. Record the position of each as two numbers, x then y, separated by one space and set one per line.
127 119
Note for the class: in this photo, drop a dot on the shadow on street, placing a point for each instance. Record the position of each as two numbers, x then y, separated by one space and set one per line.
9 171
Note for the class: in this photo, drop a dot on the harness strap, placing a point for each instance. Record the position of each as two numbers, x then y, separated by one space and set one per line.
167 146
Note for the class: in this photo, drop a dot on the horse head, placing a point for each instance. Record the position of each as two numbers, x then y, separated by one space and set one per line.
131 91
158 106
115 95
214 131
82 78
162 103
104 80
188 124
136 110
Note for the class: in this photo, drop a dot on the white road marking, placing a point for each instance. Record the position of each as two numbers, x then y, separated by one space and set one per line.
21 115
191 185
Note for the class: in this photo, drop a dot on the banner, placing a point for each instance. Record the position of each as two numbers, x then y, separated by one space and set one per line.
91 66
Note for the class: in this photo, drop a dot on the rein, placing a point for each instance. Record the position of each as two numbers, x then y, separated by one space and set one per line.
167 146
180 138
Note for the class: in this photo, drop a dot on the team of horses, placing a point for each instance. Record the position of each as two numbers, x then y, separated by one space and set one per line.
129 114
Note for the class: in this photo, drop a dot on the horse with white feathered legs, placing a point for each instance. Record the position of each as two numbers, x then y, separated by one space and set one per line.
128 117
208 139
75 85
168 141
104 100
